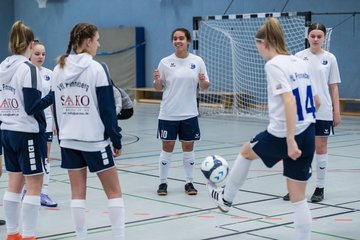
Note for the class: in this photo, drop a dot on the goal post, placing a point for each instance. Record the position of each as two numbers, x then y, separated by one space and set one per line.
236 70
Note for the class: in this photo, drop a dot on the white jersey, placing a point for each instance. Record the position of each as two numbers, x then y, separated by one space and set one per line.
289 74
46 76
324 71
84 105
180 78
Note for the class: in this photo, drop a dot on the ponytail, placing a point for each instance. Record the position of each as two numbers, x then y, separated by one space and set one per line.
272 32
21 36
78 35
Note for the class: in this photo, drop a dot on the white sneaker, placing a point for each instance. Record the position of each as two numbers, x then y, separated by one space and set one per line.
216 194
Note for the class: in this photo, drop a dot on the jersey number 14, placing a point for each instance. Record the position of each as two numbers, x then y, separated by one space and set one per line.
309 103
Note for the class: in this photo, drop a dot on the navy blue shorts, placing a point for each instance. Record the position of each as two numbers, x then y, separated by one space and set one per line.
187 130
96 161
44 150
23 152
272 149
49 137
324 128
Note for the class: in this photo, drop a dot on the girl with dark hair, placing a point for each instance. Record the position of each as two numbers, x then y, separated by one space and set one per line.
179 75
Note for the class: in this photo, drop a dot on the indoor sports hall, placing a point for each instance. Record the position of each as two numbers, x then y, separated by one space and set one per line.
258 213
134 36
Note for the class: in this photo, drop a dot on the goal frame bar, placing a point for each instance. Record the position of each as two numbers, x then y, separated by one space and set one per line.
198 19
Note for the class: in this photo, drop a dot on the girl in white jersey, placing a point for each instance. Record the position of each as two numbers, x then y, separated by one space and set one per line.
86 122
324 70
22 133
291 130
179 75
38 59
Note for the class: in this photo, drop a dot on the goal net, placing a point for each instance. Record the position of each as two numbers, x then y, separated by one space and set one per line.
235 69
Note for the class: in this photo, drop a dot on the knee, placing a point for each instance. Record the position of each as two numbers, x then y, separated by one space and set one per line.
247 152
321 145
321 150
187 146
168 146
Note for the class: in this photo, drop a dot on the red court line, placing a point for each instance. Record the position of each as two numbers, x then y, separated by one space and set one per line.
52 209
343 219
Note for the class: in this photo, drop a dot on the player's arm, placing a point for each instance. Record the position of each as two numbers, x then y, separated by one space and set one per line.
202 81
203 76
157 81
106 105
291 117
334 93
316 95
105 95
317 102
33 103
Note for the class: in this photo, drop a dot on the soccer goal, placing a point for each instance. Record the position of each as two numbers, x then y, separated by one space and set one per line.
235 69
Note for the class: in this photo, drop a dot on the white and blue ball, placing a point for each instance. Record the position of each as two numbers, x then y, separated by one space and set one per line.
215 168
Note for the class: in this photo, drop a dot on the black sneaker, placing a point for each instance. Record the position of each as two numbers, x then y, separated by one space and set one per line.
2 222
162 191
190 189
286 197
318 195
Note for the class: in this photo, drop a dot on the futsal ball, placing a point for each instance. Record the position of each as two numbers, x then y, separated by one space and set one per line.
215 168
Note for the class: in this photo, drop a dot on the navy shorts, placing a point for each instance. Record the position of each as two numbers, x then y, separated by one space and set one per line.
324 128
49 137
23 152
272 149
187 130
96 161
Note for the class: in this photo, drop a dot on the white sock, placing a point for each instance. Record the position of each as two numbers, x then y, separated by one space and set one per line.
188 162
46 180
236 178
165 158
30 212
302 220
117 218
321 168
12 206
78 216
